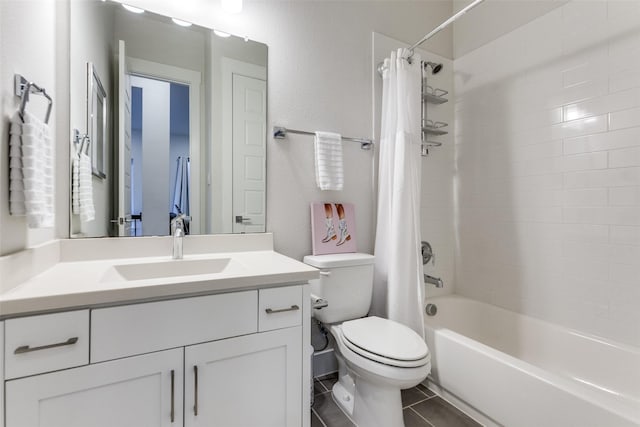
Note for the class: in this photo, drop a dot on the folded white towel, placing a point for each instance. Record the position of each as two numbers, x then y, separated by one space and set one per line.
328 150
75 185
85 189
38 175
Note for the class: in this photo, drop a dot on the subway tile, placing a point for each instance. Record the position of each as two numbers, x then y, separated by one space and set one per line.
624 158
620 100
625 235
624 51
581 268
626 79
622 8
586 197
602 215
624 119
583 73
537 151
579 93
624 254
589 252
586 233
578 14
585 161
622 177
628 274
622 25
579 127
603 141
624 196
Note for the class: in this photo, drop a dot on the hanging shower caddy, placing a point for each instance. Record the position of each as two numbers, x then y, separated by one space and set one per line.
433 96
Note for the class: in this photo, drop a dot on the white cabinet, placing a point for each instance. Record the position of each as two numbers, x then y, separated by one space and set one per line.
141 391
253 380
236 358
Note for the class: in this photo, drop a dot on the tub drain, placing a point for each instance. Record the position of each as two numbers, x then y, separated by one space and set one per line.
431 309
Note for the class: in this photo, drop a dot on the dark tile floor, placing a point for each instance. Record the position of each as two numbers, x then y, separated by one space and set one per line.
421 408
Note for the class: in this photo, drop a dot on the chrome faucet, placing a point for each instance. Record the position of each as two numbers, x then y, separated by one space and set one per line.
433 280
177 231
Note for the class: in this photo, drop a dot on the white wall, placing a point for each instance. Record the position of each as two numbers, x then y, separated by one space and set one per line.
548 169
494 18
32 54
320 78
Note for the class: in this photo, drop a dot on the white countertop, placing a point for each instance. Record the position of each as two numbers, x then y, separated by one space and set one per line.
84 283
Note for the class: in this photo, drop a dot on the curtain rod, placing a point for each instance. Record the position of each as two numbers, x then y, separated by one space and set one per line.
436 30
444 25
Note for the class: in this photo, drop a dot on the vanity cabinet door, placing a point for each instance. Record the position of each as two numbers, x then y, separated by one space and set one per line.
254 380
142 391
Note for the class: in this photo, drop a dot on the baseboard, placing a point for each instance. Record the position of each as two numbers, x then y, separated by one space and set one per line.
324 362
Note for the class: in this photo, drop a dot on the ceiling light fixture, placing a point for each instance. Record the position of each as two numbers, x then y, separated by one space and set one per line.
221 34
132 8
231 6
181 22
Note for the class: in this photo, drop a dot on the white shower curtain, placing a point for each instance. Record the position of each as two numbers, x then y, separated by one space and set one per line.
398 283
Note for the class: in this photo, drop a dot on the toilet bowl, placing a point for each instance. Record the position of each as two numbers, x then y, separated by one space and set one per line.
376 357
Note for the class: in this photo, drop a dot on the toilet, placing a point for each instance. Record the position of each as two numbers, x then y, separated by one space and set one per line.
376 357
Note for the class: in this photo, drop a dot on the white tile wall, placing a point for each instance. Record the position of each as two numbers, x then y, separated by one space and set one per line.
548 169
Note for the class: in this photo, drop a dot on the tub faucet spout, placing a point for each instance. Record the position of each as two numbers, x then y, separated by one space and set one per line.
436 281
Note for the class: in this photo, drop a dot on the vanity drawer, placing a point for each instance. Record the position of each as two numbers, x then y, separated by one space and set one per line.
279 308
142 328
46 343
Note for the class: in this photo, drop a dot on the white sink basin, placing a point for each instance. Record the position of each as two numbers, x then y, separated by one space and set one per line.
169 268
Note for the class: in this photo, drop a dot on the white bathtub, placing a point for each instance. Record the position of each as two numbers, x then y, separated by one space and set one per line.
520 371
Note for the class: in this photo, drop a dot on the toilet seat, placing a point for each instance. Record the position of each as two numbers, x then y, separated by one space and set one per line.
385 341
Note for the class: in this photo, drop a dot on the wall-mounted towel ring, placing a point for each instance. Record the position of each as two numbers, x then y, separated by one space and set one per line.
23 88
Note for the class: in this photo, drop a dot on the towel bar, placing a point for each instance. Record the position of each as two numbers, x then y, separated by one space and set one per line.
280 132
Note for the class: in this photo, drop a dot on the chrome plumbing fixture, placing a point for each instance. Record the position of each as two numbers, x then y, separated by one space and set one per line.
177 231
431 309
427 253
435 68
433 281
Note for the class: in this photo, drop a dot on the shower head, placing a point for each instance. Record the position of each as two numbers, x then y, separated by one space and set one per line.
435 68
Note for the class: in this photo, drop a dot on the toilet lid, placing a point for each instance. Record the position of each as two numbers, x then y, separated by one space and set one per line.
385 338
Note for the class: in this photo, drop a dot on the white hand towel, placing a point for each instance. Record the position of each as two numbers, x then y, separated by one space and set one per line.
16 177
75 185
329 168
37 168
85 196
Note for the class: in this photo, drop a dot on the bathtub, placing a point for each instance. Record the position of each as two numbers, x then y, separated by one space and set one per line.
514 370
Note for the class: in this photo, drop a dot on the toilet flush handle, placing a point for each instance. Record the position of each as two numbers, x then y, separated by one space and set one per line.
325 273
318 303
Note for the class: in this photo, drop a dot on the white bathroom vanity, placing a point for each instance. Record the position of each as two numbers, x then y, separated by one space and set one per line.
100 338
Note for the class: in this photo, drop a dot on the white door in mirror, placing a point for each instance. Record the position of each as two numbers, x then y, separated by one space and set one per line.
249 130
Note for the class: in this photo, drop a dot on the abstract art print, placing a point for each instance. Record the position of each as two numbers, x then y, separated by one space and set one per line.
332 228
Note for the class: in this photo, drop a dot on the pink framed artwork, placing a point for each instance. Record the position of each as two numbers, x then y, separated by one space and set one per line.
332 228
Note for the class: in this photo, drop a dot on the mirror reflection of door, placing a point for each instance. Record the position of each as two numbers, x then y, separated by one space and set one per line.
249 125
159 111
160 154
244 106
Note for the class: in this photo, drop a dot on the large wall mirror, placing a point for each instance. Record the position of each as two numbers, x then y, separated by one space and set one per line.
185 125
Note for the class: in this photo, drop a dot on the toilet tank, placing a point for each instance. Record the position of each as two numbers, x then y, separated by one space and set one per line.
346 282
